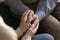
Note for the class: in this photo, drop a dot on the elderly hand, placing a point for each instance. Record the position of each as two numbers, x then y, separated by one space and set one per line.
32 30
25 22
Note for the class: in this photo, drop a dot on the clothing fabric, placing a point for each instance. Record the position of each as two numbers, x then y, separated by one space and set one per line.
44 36
29 1
44 7
4 12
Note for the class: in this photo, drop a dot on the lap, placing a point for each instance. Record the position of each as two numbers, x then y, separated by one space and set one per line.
44 36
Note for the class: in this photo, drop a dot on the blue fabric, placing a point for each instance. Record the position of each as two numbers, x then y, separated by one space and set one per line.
17 6
44 36
44 7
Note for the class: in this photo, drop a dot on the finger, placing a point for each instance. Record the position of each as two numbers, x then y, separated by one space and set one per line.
30 19
36 20
36 28
28 24
31 13
32 31
34 16
32 27
25 12
30 16
26 16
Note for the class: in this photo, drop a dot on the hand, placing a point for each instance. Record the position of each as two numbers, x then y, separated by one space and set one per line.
25 22
32 30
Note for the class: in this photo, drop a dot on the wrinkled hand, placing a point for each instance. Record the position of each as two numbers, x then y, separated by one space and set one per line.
25 22
32 30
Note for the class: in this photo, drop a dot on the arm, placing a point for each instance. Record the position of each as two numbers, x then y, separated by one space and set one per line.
45 7
17 6
25 22
32 30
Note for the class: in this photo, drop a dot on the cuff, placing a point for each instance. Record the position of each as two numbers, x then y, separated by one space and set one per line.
40 14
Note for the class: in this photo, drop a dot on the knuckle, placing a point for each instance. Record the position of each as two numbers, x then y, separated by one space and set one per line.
32 11
34 16
37 19
33 25
30 29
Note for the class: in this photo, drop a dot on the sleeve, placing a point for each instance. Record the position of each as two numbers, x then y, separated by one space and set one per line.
45 7
17 6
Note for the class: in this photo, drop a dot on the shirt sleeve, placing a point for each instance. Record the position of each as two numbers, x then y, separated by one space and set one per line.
45 7
17 6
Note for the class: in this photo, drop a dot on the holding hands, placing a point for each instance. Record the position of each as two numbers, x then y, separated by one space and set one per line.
29 25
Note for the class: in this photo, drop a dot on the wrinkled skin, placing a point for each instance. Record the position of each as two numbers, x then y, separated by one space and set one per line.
27 26
7 33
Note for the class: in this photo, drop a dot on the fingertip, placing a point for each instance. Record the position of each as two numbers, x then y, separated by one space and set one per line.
33 25
32 11
34 16
26 12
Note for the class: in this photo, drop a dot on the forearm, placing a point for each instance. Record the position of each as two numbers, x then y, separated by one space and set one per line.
45 7
26 38
19 32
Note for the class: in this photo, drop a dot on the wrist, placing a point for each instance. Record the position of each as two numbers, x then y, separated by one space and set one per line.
19 32
26 37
